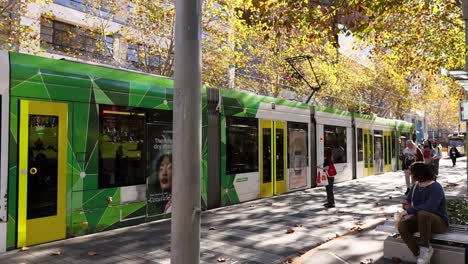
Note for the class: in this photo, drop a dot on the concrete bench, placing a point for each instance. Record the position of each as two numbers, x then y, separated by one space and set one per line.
449 247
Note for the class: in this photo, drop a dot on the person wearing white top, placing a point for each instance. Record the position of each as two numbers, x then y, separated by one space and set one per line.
410 155
437 157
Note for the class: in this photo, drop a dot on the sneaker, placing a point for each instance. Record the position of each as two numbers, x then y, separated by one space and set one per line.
425 254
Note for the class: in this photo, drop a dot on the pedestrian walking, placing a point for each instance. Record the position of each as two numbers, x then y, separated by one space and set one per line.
330 170
410 155
424 212
454 154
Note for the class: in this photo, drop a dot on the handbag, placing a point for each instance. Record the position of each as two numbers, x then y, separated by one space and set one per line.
331 169
322 178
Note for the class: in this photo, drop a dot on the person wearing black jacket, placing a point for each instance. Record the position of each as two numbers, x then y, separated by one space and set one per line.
453 153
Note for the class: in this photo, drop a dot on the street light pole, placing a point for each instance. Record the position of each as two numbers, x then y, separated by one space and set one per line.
465 18
186 196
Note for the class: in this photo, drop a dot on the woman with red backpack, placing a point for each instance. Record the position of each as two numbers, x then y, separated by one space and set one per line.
329 168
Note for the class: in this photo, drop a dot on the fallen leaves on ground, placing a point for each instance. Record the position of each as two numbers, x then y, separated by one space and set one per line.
289 260
24 248
323 225
301 252
92 253
212 228
289 231
356 228
298 225
337 235
367 261
56 252
221 259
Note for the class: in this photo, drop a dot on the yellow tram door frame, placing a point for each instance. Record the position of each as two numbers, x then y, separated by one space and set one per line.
368 152
387 151
272 180
49 228
280 176
266 144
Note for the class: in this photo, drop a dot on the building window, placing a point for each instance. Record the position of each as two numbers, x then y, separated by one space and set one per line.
140 56
59 36
75 4
241 145
360 145
335 138
121 151
99 8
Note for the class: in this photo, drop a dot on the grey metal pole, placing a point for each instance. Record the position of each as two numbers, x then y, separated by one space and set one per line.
186 196
465 18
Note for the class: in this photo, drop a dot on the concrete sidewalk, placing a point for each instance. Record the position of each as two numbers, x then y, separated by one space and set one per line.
255 232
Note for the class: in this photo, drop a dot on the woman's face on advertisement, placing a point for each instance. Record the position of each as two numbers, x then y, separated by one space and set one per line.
165 174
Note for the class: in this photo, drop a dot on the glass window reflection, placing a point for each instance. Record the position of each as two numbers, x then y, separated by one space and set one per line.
241 145
121 142
335 138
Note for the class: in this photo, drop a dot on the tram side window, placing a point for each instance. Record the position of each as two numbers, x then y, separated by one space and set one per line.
241 145
360 145
335 138
297 145
121 141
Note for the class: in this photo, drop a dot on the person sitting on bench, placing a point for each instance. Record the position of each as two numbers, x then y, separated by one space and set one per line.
425 211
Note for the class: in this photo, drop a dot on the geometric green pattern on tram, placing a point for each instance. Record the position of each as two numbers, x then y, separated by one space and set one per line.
84 87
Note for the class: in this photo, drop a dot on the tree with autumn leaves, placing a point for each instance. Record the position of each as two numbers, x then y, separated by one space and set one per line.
246 45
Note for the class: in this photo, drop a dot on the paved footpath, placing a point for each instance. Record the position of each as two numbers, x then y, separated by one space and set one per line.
256 232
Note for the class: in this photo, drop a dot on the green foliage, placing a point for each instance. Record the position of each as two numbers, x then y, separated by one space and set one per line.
457 210
13 33
245 45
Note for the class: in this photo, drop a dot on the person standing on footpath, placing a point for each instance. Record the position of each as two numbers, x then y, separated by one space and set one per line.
410 155
329 168
425 211
429 153
437 157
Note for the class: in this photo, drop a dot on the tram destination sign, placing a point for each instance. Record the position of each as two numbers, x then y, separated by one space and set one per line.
464 111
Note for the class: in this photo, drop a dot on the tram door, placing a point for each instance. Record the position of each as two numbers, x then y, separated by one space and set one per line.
273 157
42 172
387 151
378 152
368 153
